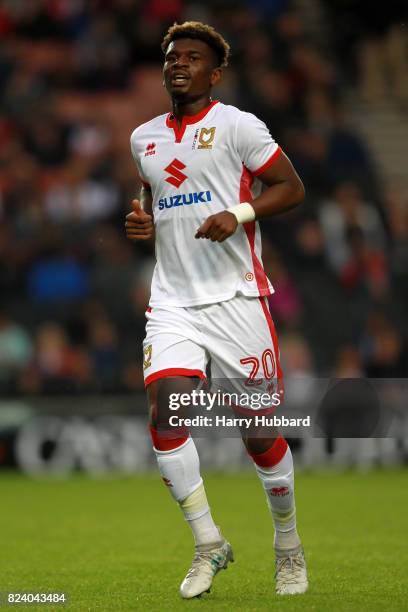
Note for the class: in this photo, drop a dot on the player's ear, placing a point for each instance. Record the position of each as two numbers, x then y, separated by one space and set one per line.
215 77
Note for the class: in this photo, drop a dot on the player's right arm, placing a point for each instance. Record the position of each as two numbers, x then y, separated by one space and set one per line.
139 222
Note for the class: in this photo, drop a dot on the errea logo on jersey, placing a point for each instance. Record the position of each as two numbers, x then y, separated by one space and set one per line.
174 169
150 149
185 199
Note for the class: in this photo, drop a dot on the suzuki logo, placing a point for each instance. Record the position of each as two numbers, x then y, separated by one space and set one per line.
177 177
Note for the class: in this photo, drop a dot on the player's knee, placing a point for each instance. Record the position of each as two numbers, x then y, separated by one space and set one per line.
159 396
257 440
258 445
164 437
165 440
159 412
152 401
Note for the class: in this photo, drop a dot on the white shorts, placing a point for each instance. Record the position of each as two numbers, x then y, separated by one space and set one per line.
236 338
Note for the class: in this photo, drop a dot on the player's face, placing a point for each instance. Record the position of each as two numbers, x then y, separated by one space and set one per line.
189 69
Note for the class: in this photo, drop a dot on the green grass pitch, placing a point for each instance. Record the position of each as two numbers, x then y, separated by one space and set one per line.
121 544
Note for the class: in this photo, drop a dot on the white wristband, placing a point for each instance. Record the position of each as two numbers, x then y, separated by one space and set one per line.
243 212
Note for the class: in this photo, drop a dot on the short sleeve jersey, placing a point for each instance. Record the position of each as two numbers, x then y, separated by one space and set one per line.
205 165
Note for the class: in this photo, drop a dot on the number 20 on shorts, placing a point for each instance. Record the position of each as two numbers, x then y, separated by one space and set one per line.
268 367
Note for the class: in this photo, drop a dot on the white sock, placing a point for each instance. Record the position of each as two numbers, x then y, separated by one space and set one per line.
180 470
278 483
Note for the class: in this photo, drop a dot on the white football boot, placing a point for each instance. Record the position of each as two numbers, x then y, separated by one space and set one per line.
291 572
207 562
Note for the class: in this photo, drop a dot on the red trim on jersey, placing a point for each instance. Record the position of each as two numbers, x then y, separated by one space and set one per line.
149 309
168 441
268 163
245 195
260 276
273 455
274 337
173 372
179 130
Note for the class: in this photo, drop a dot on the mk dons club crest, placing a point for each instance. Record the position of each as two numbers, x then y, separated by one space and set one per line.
147 357
206 137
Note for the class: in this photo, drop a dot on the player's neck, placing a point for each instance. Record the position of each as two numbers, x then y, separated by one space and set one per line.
189 108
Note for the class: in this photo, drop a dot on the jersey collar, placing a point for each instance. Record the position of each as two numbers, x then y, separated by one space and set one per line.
187 120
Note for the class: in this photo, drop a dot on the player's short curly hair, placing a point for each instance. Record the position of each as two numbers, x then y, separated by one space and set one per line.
199 31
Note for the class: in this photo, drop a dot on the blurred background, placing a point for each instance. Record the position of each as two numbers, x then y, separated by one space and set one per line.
77 76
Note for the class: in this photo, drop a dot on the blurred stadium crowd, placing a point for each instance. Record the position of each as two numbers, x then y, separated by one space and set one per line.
76 77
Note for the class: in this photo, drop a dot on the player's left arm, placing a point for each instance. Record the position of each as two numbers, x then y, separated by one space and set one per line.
284 191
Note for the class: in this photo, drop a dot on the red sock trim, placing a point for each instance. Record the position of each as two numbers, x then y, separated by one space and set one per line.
273 455
166 441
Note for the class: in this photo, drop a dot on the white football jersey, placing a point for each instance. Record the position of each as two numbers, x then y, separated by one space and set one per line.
200 168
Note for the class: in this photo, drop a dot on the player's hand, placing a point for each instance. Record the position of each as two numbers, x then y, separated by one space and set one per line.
218 227
139 224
